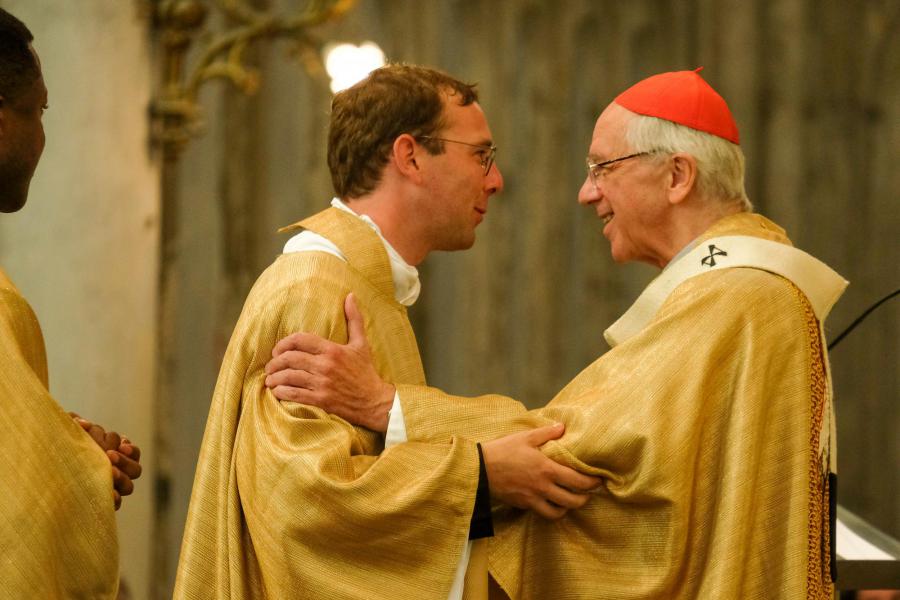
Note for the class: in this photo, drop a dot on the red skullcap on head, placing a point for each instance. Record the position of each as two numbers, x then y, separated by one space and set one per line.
682 97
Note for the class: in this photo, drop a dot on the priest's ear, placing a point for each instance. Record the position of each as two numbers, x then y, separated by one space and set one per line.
682 177
405 155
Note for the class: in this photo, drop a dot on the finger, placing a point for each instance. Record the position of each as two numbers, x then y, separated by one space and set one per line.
356 327
291 359
542 435
111 440
305 342
83 423
575 481
98 434
132 468
286 393
292 378
548 510
129 467
121 483
565 498
278 363
130 450
117 500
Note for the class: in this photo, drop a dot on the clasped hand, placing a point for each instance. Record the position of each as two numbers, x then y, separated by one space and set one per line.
124 457
341 379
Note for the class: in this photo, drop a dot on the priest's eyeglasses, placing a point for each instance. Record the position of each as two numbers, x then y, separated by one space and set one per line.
487 155
597 170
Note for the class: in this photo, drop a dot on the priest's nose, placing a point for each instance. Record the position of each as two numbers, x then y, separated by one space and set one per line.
588 194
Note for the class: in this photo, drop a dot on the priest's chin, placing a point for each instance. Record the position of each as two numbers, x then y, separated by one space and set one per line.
12 196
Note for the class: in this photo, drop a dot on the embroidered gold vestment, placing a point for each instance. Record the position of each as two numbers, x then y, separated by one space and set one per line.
57 519
290 502
710 429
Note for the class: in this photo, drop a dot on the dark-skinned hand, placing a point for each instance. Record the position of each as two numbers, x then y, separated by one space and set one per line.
124 457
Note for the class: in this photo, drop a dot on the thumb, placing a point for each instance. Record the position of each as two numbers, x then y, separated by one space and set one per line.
542 435
356 329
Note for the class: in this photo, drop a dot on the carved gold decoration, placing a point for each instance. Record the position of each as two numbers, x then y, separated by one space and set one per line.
176 114
176 118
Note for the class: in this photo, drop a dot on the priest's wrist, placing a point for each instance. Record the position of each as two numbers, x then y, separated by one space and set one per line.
381 412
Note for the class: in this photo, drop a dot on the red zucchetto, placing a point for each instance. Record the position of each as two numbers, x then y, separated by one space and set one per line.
682 97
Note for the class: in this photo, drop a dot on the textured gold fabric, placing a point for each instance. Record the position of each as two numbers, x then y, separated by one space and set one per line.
289 502
705 427
57 520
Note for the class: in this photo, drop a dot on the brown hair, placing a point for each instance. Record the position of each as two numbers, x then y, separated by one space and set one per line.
367 117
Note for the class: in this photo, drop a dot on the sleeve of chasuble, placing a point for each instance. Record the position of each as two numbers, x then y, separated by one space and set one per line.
327 514
683 352
700 426
57 522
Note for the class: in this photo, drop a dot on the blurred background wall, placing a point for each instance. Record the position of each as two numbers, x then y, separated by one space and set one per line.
814 86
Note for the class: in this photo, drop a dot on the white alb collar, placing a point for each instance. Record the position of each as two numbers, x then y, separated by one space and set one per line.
818 282
406 277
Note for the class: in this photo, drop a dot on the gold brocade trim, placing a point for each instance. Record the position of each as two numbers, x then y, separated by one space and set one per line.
819 585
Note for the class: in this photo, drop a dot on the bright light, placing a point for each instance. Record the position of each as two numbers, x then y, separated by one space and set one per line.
346 63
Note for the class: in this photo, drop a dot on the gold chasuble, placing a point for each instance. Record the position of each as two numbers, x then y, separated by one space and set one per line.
710 421
290 502
57 519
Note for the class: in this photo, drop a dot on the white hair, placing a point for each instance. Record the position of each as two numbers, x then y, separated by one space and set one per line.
720 163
